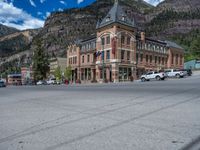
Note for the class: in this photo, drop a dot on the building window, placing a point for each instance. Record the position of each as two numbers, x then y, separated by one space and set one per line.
122 54
88 58
159 60
147 58
163 61
176 59
123 18
102 41
150 58
75 60
89 46
128 40
137 57
83 48
128 55
108 39
155 59
172 59
181 59
107 54
82 59
122 39
141 57
107 18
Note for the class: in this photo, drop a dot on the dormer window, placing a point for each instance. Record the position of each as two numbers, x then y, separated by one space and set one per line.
123 18
107 18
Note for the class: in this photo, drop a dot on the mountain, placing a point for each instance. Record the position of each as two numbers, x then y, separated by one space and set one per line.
62 28
16 42
171 19
179 5
4 30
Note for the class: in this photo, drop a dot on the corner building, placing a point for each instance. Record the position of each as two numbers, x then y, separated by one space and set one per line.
118 53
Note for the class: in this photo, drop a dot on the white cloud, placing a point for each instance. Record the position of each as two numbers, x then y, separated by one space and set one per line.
32 3
39 13
154 2
63 2
48 14
60 9
42 1
79 1
17 18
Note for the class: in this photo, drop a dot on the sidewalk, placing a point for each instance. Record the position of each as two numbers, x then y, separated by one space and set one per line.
196 72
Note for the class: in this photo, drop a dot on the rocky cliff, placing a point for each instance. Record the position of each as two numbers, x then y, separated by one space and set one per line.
169 19
16 42
173 17
62 28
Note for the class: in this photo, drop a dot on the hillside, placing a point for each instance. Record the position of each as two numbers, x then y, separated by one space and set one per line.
178 21
171 19
62 28
4 30
16 42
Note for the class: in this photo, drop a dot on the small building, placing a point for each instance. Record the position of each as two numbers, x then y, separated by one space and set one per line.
27 75
57 62
192 64
14 79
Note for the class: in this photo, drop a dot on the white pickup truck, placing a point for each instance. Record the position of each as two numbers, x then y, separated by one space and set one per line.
153 75
175 73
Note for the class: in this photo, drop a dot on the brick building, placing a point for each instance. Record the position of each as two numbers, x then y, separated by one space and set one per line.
118 52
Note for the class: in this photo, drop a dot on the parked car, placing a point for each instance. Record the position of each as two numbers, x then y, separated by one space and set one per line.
41 82
188 72
175 73
2 83
51 81
153 75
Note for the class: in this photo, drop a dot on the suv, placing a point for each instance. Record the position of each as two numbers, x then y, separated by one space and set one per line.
51 81
175 73
153 75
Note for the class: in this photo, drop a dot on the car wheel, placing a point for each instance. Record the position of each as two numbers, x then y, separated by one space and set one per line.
158 78
178 76
143 79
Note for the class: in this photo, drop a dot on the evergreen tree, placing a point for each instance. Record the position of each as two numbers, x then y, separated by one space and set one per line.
40 62
195 48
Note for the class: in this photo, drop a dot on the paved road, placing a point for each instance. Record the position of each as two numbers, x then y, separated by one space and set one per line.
157 115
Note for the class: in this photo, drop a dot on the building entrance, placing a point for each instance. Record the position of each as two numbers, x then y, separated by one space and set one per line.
125 74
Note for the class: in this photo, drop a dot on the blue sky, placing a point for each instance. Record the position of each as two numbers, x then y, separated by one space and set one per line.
30 14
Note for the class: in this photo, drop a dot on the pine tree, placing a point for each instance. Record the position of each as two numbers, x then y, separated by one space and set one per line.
40 62
195 48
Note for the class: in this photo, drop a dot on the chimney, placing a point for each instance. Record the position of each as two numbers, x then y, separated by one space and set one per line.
143 36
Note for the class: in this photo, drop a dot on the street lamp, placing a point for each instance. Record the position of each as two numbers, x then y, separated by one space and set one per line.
102 43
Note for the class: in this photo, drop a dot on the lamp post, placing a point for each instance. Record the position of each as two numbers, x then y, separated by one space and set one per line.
102 43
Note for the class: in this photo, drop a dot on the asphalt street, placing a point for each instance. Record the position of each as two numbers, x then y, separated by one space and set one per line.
155 115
